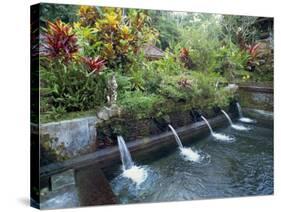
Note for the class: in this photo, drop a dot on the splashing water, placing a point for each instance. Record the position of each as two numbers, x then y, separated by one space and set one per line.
191 155
223 137
239 127
264 113
218 136
188 153
246 120
241 117
136 173
234 126
139 181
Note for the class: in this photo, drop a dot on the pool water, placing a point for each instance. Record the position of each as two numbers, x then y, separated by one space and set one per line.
226 169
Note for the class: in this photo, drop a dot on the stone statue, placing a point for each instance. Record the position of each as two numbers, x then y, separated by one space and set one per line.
112 109
112 91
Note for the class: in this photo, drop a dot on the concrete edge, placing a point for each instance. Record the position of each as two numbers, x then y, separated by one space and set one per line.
69 121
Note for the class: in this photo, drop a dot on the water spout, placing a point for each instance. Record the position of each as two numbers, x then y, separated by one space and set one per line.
217 136
188 153
241 117
126 158
176 136
136 173
209 126
234 126
239 110
227 116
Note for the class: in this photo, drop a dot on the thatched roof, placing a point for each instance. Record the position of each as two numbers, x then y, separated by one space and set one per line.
152 52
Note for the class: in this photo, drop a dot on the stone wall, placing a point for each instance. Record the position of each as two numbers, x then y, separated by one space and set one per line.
67 139
132 129
251 98
63 140
141 147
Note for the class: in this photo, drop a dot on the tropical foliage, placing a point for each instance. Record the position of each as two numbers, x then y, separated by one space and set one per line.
59 42
202 53
69 88
106 32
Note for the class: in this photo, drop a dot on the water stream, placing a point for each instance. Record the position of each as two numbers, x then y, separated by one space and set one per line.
241 117
218 136
234 126
176 136
187 153
136 173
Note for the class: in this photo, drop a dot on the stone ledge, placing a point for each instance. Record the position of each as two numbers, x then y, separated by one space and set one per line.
260 89
110 155
68 121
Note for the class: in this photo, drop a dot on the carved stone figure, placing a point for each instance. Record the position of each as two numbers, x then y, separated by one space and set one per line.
112 90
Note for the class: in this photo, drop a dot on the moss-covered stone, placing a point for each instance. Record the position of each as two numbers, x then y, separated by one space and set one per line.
257 100
132 128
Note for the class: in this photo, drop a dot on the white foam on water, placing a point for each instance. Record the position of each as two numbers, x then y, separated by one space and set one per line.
223 137
239 127
264 112
137 174
247 120
190 154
